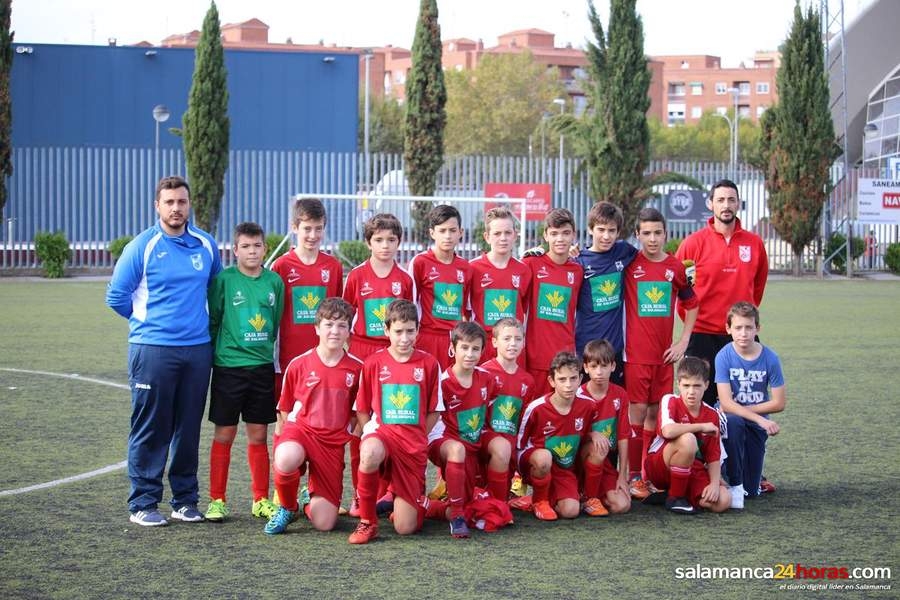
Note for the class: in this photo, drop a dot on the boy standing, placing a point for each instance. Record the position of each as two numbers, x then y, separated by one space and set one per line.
500 282
553 430
600 303
440 284
652 283
751 386
397 405
685 456
316 400
245 305
555 284
606 488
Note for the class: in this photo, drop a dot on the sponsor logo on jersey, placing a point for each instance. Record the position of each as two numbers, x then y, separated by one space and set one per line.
293 275
418 373
161 254
312 379
433 274
384 374
366 289
638 272
326 275
142 386
454 402
542 273
670 274
486 280
588 272
197 261
238 299
744 253
395 288
548 428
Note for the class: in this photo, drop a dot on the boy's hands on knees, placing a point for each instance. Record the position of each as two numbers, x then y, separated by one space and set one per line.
599 444
710 493
771 427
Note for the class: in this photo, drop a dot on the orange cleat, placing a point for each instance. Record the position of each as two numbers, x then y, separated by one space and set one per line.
543 511
365 533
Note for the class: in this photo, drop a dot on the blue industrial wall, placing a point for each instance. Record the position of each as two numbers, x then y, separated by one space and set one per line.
71 96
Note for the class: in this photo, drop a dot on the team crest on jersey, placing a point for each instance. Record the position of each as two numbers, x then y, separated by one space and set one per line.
744 253
395 288
460 276
418 373
384 374
197 261
326 275
548 429
349 379
524 389
670 274
620 266
570 277
616 404
484 393
516 280
497 380
271 298
579 424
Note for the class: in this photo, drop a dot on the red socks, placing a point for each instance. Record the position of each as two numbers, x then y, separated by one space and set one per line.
367 491
287 484
592 475
648 437
636 450
498 484
455 475
258 460
354 460
678 481
219 461
540 488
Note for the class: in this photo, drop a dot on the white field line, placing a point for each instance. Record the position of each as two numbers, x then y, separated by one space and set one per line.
81 476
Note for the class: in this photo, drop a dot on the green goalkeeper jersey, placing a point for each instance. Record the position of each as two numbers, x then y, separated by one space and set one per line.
244 313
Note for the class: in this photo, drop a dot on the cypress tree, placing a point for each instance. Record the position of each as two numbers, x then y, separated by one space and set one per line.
206 125
423 145
797 144
6 58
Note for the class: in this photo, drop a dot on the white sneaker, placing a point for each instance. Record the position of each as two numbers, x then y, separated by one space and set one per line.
737 497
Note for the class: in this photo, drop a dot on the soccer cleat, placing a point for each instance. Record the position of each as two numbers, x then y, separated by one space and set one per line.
148 518
518 487
521 503
543 511
216 511
264 508
737 497
279 521
187 513
354 507
385 504
639 489
766 486
656 499
458 527
593 507
365 533
680 505
439 492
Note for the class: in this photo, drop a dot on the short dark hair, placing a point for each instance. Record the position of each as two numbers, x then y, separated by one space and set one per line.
308 208
605 212
250 229
507 322
382 221
599 351
172 182
336 309
558 217
401 310
441 214
725 183
563 359
649 215
693 367
743 309
469 331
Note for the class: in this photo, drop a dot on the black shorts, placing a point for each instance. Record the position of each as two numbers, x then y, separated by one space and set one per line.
242 391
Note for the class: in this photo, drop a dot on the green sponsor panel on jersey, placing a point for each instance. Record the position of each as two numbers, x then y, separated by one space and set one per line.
563 448
608 428
400 404
654 298
306 300
505 414
256 326
470 424
375 309
499 304
606 291
553 302
447 301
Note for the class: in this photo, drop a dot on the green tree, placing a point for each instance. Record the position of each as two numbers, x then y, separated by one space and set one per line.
707 139
494 108
385 125
423 145
6 58
206 125
797 143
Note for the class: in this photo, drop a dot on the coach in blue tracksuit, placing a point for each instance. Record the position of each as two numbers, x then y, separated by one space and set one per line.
159 284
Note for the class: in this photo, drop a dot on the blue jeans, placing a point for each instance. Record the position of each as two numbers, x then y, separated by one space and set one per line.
746 448
168 397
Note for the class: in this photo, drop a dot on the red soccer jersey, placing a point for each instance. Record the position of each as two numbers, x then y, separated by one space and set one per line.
370 294
440 290
319 398
612 413
464 408
673 410
498 293
305 286
543 426
399 396
551 310
513 393
650 292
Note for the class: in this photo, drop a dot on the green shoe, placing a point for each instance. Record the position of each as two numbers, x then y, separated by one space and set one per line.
264 508
216 511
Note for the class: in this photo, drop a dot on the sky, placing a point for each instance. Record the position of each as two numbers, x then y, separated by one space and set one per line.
730 29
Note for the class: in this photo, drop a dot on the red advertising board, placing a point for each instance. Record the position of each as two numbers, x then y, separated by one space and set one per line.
538 196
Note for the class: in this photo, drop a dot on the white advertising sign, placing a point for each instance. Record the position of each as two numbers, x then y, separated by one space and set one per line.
878 201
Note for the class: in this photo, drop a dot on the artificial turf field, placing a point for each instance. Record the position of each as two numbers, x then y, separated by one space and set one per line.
836 464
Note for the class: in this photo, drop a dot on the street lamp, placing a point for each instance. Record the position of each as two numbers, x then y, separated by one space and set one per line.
367 56
732 163
160 115
561 102
734 127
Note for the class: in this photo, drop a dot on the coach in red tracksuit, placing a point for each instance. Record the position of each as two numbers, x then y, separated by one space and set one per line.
731 265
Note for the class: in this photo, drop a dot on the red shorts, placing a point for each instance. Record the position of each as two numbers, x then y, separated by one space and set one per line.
647 384
326 463
405 471
437 344
658 473
361 346
487 436
563 482
471 466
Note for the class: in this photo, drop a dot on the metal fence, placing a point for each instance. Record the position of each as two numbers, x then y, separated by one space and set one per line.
95 195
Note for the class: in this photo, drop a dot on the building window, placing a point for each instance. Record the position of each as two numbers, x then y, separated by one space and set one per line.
760 110
696 112
676 89
743 88
744 111
721 88
762 87
676 114
696 89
